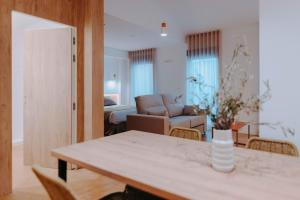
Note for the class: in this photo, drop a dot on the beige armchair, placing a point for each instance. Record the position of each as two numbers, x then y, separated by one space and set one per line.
160 113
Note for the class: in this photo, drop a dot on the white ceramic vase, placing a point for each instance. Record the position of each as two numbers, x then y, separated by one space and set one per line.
222 151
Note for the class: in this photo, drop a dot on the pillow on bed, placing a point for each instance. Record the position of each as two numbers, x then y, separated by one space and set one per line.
109 102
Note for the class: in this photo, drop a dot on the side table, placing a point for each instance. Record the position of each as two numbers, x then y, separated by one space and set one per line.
236 127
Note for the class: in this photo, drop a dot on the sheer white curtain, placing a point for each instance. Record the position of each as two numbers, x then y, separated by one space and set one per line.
203 68
141 79
203 65
206 71
141 73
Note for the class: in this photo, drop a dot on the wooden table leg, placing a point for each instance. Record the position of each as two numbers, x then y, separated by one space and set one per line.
237 138
62 169
248 131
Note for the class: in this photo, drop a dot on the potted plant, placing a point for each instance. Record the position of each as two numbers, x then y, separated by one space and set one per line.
226 104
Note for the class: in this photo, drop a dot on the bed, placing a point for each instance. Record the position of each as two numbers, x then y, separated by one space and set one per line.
115 116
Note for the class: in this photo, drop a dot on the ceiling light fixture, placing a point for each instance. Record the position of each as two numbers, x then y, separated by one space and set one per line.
164 28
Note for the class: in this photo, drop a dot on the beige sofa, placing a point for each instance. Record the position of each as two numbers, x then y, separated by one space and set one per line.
159 113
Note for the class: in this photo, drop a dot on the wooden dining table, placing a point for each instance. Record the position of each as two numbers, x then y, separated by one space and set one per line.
175 168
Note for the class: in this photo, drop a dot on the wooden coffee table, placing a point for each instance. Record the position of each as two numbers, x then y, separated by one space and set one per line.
236 127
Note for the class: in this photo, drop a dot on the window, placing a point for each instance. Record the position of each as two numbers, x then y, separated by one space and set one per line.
206 70
141 79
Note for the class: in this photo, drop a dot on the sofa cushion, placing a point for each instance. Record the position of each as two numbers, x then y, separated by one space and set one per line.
174 108
190 110
197 120
143 103
180 121
157 110
169 99
187 121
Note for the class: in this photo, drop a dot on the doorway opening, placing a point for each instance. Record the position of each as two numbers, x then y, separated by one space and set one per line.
44 95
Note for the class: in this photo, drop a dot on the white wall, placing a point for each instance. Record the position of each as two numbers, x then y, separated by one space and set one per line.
21 23
230 37
170 69
171 63
279 59
108 51
117 62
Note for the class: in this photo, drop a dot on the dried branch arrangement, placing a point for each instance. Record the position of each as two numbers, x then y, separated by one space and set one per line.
228 101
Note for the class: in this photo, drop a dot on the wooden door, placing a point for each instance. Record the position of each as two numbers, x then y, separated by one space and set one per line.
47 94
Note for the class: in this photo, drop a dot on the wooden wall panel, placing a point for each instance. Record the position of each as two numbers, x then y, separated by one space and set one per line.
71 12
94 55
57 10
98 69
5 98
79 20
88 74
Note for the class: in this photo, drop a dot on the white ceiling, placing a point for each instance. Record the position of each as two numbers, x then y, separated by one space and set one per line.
135 24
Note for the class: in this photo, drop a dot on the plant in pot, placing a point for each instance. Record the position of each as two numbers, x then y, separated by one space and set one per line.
226 104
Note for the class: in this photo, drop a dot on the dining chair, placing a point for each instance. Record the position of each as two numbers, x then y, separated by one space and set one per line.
274 146
186 133
59 190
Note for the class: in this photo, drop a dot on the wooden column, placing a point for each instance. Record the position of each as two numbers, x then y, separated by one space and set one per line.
80 21
70 12
5 98
94 119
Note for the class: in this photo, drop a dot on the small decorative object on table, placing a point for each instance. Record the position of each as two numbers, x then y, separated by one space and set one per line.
225 106
222 151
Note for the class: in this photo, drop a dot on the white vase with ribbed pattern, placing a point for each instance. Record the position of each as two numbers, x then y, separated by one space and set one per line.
222 151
